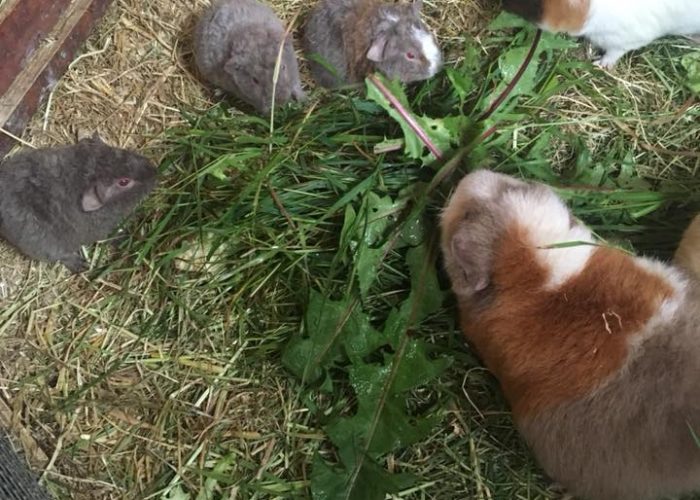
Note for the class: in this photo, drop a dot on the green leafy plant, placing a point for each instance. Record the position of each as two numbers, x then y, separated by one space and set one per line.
384 364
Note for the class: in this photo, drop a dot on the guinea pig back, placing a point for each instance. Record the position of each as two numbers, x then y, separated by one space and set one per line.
553 15
597 351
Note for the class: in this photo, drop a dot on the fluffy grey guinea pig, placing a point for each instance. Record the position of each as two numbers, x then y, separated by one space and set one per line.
54 200
236 48
355 37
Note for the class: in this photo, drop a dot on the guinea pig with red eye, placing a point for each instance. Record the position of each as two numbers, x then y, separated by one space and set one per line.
616 26
353 38
596 351
54 200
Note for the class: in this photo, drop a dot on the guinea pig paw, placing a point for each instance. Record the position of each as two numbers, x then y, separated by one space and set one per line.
560 492
609 59
298 94
75 263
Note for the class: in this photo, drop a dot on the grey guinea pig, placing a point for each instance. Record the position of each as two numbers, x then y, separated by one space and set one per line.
236 48
356 37
54 200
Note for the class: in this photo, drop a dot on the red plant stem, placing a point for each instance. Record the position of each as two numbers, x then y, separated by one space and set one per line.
503 95
487 133
422 135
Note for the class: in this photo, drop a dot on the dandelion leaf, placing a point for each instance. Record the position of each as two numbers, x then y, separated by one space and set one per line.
333 330
383 420
442 132
371 483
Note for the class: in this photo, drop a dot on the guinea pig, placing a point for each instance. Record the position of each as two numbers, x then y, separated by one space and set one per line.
356 37
236 48
54 200
596 351
616 26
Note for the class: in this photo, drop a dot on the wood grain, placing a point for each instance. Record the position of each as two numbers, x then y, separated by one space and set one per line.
22 33
46 55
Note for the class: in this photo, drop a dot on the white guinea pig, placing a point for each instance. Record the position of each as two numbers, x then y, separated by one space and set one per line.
616 26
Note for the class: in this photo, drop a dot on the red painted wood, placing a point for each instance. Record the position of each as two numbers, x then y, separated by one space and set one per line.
22 31
52 72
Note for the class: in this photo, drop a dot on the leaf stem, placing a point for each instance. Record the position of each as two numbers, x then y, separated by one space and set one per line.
423 136
509 88
406 115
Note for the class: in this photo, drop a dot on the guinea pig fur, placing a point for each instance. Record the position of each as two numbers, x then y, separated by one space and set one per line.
236 48
357 37
597 351
616 26
54 200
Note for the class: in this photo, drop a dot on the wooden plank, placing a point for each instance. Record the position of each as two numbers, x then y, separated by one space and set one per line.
22 32
41 72
22 82
6 8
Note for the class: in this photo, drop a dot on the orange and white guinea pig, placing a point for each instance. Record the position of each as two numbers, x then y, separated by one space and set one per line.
597 351
616 26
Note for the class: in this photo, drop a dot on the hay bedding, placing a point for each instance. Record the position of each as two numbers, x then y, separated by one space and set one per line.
130 83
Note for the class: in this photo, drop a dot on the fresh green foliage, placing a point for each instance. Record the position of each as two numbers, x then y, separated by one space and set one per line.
444 132
383 366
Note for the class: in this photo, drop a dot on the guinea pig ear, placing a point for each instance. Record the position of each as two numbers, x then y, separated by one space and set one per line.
90 201
376 50
472 260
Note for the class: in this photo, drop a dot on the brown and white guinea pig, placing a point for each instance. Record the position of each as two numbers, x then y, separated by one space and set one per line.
616 26
236 46
597 351
355 37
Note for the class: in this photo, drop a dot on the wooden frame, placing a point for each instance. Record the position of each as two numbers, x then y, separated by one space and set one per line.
39 39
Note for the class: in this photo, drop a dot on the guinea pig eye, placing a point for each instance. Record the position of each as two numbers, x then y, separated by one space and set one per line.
124 182
256 81
410 55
